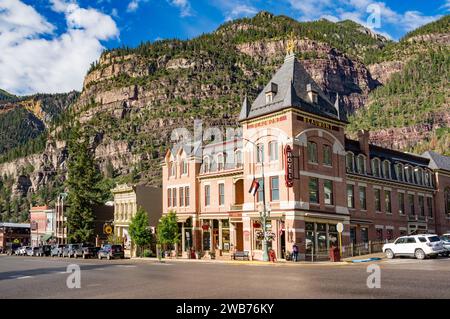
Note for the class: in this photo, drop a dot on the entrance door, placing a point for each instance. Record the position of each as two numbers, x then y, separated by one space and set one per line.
239 237
283 243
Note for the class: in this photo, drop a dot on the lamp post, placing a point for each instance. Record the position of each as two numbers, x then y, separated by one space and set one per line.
264 213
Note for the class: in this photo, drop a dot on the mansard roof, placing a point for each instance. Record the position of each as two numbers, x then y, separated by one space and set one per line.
290 86
387 153
437 161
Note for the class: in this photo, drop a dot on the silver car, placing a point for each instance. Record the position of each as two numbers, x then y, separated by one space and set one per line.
446 241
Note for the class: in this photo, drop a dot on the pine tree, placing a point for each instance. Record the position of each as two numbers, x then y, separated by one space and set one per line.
83 187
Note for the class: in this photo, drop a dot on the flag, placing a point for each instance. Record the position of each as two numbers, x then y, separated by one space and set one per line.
254 188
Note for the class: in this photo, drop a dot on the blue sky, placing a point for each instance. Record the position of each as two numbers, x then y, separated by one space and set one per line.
47 45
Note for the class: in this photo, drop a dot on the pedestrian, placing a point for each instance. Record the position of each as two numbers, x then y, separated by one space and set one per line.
294 252
272 256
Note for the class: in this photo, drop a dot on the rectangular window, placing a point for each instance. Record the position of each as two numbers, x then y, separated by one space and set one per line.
387 201
184 167
362 197
169 197
313 190
379 233
422 206
181 196
274 189
412 210
312 152
221 194
328 191
350 196
377 194
186 196
260 190
174 197
401 203
207 195
430 206
273 151
364 234
259 153
327 160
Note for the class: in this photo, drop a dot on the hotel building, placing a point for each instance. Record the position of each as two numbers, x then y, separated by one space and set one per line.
314 178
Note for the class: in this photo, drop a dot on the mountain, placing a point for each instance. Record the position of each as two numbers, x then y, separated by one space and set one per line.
411 111
5 96
23 119
133 98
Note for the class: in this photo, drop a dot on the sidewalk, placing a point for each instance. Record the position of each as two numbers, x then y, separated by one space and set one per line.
241 262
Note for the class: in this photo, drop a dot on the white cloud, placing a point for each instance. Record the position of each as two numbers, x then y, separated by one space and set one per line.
32 63
133 6
356 10
184 6
233 9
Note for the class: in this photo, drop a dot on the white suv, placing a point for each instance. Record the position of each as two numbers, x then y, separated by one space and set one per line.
419 246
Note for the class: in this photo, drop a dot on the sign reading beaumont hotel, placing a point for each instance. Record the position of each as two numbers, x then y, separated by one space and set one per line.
314 178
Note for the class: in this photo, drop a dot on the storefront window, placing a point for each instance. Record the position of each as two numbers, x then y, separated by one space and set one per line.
364 235
332 236
321 237
206 240
225 235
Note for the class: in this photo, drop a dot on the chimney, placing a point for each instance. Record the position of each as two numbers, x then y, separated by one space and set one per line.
363 138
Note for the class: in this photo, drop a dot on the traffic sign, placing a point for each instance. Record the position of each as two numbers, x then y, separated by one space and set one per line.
340 227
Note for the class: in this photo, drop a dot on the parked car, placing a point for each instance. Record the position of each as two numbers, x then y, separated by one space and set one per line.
89 251
419 246
72 250
57 250
22 251
11 249
111 251
42 251
446 242
29 251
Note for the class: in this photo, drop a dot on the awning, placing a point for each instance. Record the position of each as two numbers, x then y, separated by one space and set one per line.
46 237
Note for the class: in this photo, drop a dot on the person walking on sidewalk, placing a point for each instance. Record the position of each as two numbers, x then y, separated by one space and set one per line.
294 252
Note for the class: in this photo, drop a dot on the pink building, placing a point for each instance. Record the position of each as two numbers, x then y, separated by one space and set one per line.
314 178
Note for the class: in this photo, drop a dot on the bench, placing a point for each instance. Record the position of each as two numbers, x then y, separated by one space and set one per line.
244 255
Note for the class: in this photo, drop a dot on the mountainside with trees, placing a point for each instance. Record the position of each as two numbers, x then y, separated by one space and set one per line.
133 97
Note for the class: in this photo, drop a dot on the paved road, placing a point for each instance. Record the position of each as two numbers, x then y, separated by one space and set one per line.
34 277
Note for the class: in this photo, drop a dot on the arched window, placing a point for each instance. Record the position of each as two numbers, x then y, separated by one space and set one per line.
447 200
386 169
238 158
399 172
172 168
376 167
220 162
418 172
350 162
409 174
361 164
312 152
273 151
206 164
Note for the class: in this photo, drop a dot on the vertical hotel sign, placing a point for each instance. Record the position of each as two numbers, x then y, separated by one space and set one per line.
288 166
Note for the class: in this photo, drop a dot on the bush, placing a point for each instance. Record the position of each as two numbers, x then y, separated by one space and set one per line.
148 253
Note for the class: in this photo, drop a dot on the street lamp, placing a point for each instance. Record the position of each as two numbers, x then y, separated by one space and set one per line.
264 213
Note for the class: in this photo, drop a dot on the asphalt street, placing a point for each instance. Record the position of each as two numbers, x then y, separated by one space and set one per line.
45 277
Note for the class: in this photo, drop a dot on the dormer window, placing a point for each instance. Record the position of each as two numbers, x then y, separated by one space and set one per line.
271 92
312 94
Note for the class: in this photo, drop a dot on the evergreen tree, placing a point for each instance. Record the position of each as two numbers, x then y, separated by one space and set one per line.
83 187
139 229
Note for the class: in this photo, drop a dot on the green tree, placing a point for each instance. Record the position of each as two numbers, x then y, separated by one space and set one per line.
139 230
167 231
83 187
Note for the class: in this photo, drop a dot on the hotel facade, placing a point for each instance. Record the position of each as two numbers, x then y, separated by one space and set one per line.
314 178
